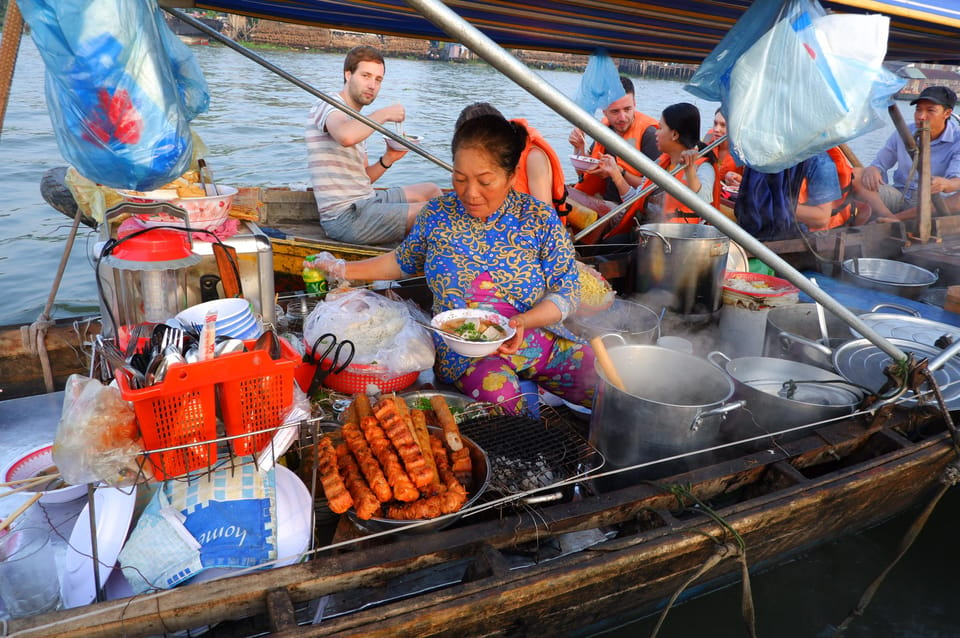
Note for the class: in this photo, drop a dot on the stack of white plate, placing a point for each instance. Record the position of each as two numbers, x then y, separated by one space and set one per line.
235 318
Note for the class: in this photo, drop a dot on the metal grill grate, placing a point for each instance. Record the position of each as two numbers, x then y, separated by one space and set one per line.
527 453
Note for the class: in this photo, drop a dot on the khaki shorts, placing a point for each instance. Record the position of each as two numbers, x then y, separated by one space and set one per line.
378 219
892 198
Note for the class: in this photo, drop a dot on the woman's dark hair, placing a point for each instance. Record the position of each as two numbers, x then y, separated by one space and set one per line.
503 140
475 110
684 118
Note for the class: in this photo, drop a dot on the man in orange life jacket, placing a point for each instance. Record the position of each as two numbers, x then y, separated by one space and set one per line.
596 191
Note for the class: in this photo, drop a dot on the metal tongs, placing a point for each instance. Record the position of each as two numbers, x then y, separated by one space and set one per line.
206 176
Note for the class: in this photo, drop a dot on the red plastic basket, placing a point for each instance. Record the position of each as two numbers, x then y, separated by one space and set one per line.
356 378
181 412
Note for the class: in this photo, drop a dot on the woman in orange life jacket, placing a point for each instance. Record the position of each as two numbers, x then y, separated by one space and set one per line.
539 172
728 173
678 140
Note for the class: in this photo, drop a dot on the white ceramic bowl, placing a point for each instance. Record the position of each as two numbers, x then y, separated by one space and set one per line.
584 162
473 348
204 212
416 139
34 462
230 312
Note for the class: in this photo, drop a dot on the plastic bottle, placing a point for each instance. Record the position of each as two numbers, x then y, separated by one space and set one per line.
313 280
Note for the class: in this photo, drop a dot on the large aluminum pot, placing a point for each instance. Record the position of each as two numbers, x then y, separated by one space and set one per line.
672 402
685 260
888 275
783 394
624 322
792 333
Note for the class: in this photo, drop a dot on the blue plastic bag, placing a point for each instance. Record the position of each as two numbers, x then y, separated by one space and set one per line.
795 81
600 84
121 89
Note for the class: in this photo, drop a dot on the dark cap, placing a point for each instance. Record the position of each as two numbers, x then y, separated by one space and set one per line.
938 94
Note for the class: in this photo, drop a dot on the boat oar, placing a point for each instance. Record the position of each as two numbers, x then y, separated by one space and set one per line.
643 193
911 145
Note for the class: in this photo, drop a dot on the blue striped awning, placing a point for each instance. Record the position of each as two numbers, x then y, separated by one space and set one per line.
669 30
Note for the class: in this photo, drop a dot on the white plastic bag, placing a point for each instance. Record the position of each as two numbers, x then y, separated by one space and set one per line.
382 330
794 81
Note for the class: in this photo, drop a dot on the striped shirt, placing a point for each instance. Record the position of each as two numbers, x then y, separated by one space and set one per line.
338 173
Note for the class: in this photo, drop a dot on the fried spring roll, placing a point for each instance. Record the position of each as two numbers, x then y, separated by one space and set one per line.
338 497
371 469
451 430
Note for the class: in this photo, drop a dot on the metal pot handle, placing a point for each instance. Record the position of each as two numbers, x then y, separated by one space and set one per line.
652 233
893 306
718 354
723 410
623 341
786 338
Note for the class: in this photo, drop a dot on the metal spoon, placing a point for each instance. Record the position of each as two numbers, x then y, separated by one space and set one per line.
821 317
440 331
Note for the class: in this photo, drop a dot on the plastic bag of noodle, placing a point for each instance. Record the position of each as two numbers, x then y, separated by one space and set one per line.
121 89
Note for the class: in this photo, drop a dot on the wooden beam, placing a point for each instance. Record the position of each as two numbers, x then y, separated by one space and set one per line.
923 191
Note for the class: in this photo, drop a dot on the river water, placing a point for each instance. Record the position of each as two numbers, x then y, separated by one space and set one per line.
254 130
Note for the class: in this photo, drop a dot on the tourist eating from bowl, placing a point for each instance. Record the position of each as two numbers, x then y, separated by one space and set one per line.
678 138
486 245
596 190
342 175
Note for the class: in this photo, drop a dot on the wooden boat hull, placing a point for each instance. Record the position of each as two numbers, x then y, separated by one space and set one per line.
846 477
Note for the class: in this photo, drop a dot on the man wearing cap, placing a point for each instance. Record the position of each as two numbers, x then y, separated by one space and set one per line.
897 202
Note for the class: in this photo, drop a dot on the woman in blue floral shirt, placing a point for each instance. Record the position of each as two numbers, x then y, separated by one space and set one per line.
487 246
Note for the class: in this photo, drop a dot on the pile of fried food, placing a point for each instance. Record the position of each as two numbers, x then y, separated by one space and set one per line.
187 185
389 465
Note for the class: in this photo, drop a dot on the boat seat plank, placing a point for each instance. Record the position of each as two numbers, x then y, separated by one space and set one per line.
281 612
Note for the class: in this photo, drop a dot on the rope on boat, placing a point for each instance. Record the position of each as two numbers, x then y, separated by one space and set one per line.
737 549
35 336
722 551
9 48
949 478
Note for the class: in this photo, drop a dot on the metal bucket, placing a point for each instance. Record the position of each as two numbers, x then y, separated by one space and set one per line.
685 260
673 403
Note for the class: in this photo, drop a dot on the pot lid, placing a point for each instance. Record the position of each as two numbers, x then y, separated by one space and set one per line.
862 363
895 326
810 392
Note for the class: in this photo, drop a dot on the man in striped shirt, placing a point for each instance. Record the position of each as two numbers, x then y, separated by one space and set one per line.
351 210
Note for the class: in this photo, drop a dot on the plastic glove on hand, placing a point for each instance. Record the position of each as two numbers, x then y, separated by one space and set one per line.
335 269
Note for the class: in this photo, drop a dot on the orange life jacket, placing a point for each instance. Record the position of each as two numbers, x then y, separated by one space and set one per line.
596 185
558 189
673 210
841 210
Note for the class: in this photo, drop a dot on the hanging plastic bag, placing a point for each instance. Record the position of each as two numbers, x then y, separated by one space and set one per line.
794 81
600 84
121 89
97 437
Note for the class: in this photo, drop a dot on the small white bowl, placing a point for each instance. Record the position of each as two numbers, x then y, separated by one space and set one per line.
416 139
584 162
34 462
473 348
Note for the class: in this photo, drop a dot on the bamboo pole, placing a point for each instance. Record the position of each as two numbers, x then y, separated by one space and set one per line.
9 48
923 190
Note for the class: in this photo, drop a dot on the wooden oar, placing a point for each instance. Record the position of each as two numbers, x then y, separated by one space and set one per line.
20 510
646 190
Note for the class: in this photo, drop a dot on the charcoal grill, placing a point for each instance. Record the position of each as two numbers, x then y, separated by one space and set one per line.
527 453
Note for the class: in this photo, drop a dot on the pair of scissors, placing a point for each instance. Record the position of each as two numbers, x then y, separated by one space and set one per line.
332 353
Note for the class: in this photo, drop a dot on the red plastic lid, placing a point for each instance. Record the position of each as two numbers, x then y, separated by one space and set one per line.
160 244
